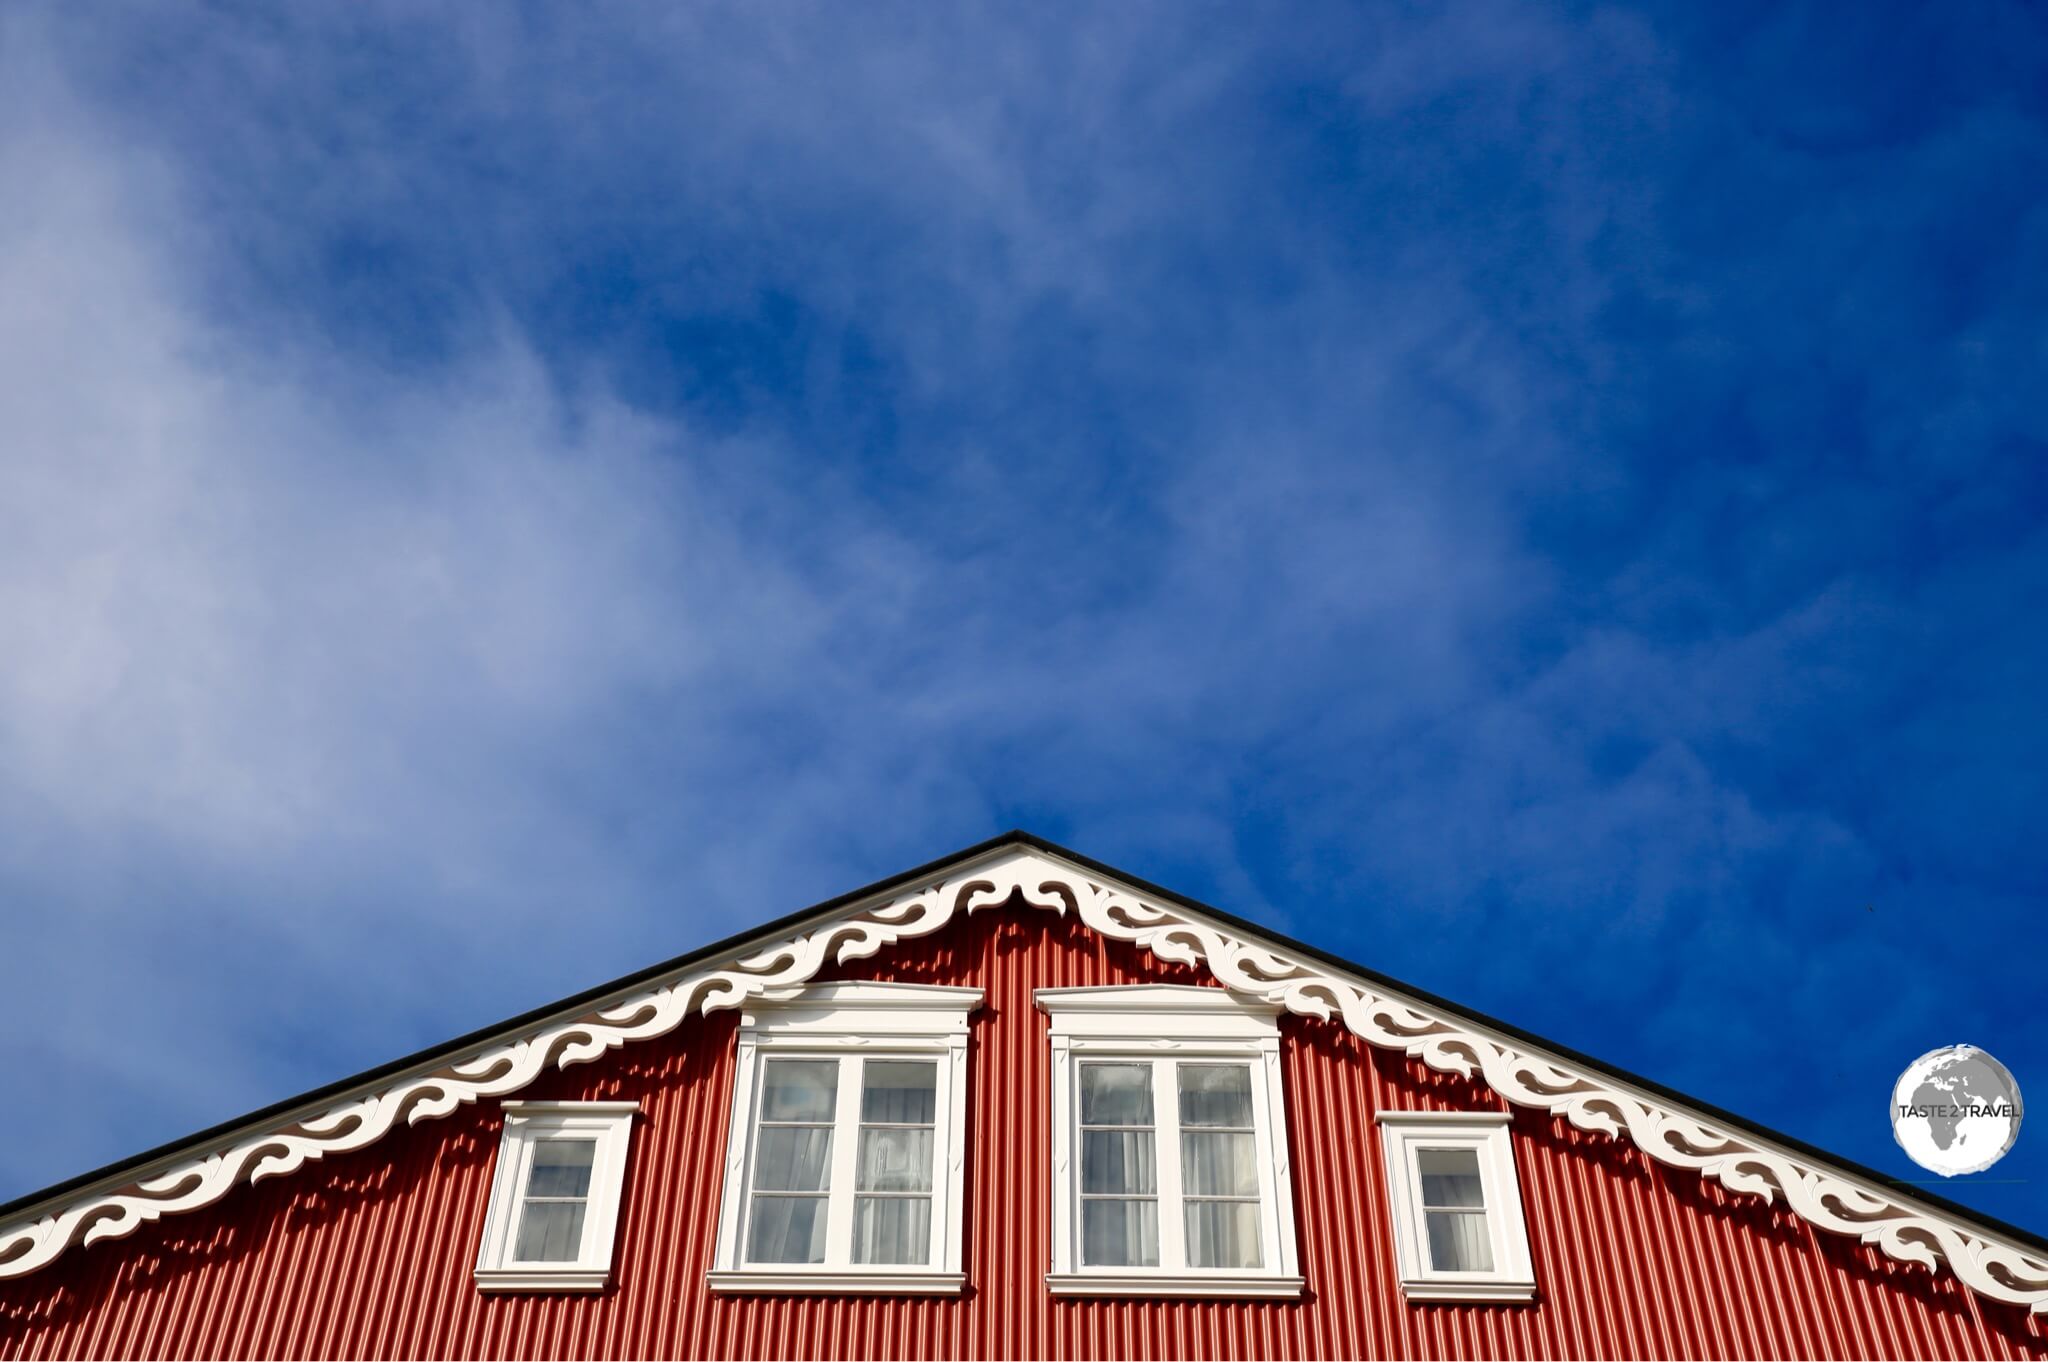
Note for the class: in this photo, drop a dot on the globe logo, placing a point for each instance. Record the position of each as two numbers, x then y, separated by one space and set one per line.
1956 1110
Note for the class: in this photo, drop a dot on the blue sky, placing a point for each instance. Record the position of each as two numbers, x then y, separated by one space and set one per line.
1546 502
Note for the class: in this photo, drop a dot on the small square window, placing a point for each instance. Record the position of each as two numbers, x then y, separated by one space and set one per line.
1454 1210
844 1168
1457 1208
555 1196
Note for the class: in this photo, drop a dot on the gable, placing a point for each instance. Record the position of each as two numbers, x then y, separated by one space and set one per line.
1029 878
371 1255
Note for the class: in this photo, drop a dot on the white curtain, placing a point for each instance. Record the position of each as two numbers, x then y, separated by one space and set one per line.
1219 1163
895 1159
898 1101
1118 1163
1216 1095
551 1219
1119 1180
1458 1241
1454 1210
793 1159
892 1229
899 1092
786 1229
1119 1205
1450 1179
1219 1169
1119 1233
792 1153
1223 1234
1116 1094
550 1232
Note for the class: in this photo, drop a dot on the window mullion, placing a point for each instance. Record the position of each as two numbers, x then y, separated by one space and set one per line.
845 1162
1173 1252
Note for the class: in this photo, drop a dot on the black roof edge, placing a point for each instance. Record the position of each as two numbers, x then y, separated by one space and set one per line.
477 1037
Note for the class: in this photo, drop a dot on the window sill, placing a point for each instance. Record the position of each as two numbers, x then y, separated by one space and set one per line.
1468 1291
908 1282
1239 1285
541 1279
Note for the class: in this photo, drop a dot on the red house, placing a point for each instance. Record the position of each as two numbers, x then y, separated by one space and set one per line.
1010 1104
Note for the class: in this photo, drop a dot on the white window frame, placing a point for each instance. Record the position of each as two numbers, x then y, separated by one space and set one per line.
849 1022
609 1125
1402 1135
1162 1025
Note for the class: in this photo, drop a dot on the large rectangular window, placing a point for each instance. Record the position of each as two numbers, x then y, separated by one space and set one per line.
1210 1123
795 1160
1167 1172
845 1171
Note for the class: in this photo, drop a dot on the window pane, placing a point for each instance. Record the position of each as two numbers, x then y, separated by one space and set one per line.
560 1168
1215 1095
550 1232
1116 1094
1458 1241
1120 1233
799 1090
894 1229
787 1229
1223 1234
1216 1163
1450 1177
895 1161
793 1159
1118 1161
899 1092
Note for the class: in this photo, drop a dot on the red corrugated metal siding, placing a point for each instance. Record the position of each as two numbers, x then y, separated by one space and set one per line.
369 1254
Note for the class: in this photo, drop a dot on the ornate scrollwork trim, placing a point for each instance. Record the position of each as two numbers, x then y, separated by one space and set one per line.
1827 1198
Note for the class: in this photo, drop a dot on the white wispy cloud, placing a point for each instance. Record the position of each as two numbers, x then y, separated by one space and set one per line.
488 502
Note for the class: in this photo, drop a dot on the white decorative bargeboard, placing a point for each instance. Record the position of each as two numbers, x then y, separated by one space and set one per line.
1830 1199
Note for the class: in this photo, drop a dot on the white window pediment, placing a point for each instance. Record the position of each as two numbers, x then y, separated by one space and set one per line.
1169 1144
844 1165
